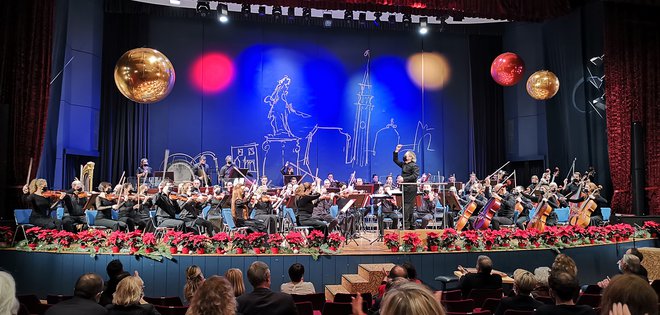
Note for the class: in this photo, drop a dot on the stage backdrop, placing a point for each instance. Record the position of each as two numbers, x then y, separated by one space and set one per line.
336 100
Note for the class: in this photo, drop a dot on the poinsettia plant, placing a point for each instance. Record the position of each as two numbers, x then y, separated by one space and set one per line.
65 238
32 235
470 239
240 241
220 240
258 239
149 241
411 242
315 238
391 240
134 240
623 231
595 234
117 239
448 238
198 242
275 240
432 239
295 239
334 240
6 235
173 238
652 227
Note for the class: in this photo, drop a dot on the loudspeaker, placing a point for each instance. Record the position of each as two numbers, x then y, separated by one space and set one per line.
638 171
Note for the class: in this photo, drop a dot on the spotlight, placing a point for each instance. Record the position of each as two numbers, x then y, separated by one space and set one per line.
392 18
327 20
245 9
378 16
307 13
203 7
277 11
597 61
407 19
362 17
175 2
423 25
348 15
291 12
599 102
223 13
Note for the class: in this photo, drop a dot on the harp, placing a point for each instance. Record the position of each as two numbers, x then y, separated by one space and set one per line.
87 176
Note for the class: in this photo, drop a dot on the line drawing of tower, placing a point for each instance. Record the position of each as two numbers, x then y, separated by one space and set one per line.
362 123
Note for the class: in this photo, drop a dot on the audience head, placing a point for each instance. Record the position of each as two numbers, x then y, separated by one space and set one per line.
523 282
8 302
629 264
398 272
194 279
89 286
565 263
235 278
636 252
563 285
296 272
484 264
541 275
410 270
214 297
114 268
630 290
259 275
410 298
130 291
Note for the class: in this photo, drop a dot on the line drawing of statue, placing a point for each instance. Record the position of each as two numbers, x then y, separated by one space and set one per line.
280 109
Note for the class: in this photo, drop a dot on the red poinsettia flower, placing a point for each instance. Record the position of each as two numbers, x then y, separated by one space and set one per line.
335 239
315 238
391 240
257 239
295 239
275 240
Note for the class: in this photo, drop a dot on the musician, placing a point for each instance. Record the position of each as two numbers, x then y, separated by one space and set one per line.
505 214
409 173
534 181
347 218
523 216
191 210
425 212
105 204
263 211
292 186
470 183
305 203
453 212
333 182
167 209
548 195
287 169
399 181
74 202
225 170
374 180
40 205
144 170
322 208
571 188
201 171
593 193
239 205
476 194
217 201
388 209
129 210
389 181
545 178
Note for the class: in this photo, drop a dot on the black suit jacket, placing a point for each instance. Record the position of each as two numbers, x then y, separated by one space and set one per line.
77 306
479 281
565 310
265 301
141 309
518 303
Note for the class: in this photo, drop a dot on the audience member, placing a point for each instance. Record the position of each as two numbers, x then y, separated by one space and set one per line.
631 290
523 284
395 273
411 271
235 278
116 273
642 270
262 300
564 287
194 279
405 297
483 279
297 284
628 264
127 299
85 299
8 303
565 263
214 297
541 275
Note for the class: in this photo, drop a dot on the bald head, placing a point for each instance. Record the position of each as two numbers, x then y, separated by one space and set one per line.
398 272
89 286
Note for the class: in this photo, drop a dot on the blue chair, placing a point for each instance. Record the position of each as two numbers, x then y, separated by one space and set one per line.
228 223
22 219
334 211
115 215
57 214
607 213
205 212
563 215
253 213
90 217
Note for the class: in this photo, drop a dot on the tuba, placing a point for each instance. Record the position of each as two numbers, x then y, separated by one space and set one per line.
87 176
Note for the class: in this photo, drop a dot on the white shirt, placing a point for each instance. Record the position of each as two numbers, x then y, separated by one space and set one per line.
298 288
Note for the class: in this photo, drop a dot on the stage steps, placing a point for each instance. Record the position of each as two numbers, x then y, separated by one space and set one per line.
367 279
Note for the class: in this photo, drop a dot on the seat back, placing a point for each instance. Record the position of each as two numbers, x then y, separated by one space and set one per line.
334 211
22 216
491 304
333 308
90 216
546 300
30 301
480 295
317 299
253 213
56 298
58 213
205 212
452 295
164 300
305 308
459 306
367 299
171 310
607 212
593 289
592 300
562 215
115 214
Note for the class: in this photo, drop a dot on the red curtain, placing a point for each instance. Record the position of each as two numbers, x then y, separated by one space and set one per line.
632 81
26 29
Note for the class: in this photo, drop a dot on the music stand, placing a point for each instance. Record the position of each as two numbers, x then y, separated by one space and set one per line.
168 175
450 200
239 172
369 188
332 189
91 202
375 199
287 178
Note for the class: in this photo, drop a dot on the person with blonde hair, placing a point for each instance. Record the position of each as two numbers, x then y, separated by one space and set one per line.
565 263
235 278
8 303
127 299
523 284
409 173
214 297
41 206
406 298
194 279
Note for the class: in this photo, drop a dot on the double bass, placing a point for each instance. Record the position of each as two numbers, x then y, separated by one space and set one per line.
543 210
583 218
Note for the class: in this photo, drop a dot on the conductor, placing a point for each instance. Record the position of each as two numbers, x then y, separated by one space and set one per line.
409 172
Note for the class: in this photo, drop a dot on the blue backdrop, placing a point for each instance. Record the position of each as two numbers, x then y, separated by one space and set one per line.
336 100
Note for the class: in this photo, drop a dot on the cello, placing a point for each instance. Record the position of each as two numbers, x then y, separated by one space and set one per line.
466 213
490 209
543 210
583 218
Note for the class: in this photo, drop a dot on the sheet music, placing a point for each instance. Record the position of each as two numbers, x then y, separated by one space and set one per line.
347 206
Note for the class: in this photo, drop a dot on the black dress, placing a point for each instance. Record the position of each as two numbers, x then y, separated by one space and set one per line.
40 215
104 215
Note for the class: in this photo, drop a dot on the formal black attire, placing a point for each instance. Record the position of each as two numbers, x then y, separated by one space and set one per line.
104 215
565 310
347 219
425 212
264 301
570 189
322 212
263 213
190 214
480 200
523 217
201 170
504 215
388 210
553 202
77 306
144 169
41 209
409 172
225 170
518 303
597 214
166 212
138 309
479 281
305 205
73 210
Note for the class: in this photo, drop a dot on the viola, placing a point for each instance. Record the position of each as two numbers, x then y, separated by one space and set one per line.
82 194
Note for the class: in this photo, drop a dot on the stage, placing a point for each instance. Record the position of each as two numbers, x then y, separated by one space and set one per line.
44 273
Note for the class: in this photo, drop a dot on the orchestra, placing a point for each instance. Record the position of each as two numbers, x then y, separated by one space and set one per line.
403 201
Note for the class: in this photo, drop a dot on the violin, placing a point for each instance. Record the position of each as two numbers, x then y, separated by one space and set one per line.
112 196
81 194
52 194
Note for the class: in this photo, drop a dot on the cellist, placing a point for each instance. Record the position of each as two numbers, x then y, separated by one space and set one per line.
525 203
593 193
505 213
476 195
552 199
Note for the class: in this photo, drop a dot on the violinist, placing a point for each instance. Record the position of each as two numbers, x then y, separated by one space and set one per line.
263 213
74 202
144 170
239 205
409 173
106 203
129 211
389 181
305 198
217 201
201 171
333 182
548 195
534 181
425 212
321 211
525 203
593 193
41 204
196 184
167 209
397 184
504 215
191 210
388 210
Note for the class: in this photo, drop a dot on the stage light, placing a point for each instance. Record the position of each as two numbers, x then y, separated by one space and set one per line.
262 10
223 13
378 16
348 15
203 7
291 13
307 13
407 19
175 2
597 61
423 25
277 11
599 102
245 9
327 20
392 18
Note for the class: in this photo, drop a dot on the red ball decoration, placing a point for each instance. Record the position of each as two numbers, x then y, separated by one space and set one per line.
507 69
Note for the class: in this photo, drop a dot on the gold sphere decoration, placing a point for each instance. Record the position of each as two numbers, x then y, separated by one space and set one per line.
144 75
542 85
